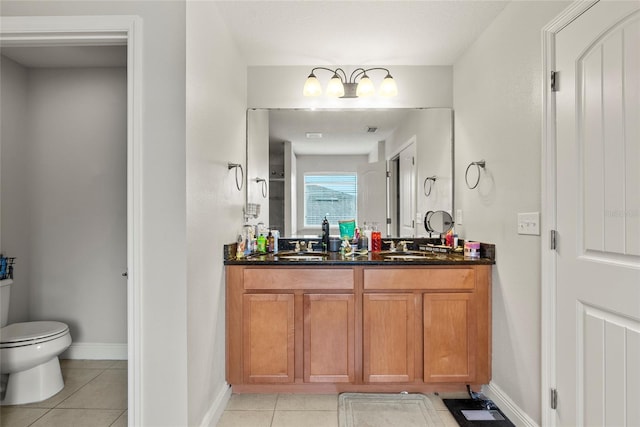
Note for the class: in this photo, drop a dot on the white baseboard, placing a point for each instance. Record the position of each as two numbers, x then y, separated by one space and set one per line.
508 406
95 351
218 405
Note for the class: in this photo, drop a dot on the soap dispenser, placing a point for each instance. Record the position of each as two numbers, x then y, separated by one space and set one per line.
325 234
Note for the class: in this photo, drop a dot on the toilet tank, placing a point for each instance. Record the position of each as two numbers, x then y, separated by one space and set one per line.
5 294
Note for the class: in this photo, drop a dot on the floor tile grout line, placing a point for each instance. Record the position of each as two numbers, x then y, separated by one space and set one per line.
79 388
118 417
45 413
273 414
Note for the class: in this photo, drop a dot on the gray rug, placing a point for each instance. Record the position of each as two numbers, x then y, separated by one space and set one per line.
387 410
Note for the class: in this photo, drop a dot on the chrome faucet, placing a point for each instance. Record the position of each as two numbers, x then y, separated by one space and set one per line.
297 248
402 245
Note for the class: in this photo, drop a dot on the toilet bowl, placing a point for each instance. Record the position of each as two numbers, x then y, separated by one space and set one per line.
29 362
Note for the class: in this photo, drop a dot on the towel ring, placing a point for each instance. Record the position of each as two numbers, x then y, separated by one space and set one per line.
431 180
264 186
237 166
478 165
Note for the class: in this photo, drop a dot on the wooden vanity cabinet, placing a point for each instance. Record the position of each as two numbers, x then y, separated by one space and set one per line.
329 334
389 337
433 322
268 338
290 325
450 338
358 328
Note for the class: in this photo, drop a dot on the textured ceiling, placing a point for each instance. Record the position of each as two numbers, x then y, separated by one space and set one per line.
356 32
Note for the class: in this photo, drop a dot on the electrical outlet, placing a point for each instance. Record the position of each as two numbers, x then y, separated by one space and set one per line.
458 216
529 223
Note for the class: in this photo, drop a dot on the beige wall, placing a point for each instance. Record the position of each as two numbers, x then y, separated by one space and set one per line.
498 118
65 190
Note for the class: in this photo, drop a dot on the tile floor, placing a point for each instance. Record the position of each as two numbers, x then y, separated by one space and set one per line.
296 410
94 395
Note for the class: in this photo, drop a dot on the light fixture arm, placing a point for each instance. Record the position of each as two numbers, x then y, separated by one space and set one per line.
335 72
361 72
356 85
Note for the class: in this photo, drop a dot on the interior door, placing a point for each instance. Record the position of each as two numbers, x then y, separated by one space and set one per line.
372 200
598 217
407 194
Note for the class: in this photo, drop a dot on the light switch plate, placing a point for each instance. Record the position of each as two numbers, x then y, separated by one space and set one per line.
529 223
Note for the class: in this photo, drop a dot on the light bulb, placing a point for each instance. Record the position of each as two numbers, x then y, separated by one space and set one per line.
388 87
365 87
312 86
335 87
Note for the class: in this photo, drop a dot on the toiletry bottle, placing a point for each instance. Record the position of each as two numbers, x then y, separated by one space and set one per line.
240 246
325 234
262 243
276 237
270 242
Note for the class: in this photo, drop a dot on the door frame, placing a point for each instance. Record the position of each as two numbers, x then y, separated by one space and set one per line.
395 218
104 31
549 209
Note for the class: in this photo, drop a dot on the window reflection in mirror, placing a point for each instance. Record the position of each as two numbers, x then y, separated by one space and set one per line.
285 145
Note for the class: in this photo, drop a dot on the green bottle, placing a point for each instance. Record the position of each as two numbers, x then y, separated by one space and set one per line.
262 244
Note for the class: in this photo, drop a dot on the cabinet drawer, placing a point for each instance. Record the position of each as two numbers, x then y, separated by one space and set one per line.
419 278
298 278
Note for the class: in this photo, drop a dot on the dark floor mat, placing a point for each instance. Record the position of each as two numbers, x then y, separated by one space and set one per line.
477 413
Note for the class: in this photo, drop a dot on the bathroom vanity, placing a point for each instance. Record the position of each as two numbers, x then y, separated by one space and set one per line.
358 324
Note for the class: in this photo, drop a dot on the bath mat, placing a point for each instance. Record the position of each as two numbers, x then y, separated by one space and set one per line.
476 413
386 410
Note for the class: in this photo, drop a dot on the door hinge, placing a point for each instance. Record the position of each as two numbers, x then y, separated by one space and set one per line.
553 240
413 161
388 220
554 81
554 398
388 174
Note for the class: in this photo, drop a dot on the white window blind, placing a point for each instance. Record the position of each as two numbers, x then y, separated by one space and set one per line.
333 195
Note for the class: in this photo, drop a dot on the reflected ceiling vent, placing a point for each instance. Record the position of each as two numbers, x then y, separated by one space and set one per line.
314 135
372 129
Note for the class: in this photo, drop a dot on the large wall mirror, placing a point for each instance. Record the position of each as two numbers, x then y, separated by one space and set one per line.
385 167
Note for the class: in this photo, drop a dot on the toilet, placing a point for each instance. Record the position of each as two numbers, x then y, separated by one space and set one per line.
29 352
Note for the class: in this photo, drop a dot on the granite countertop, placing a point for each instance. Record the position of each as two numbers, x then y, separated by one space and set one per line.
417 255
288 258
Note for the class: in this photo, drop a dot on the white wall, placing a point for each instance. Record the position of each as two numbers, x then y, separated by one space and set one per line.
497 102
14 231
281 87
163 306
215 136
311 164
74 202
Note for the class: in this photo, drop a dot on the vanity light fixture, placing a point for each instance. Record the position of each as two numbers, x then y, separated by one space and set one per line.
357 85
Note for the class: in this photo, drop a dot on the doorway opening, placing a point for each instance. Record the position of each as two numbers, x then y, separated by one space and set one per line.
87 32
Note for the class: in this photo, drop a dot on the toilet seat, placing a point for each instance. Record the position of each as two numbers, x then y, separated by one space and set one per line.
30 333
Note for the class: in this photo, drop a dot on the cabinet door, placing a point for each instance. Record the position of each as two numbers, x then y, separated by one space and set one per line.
450 343
268 338
389 337
329 328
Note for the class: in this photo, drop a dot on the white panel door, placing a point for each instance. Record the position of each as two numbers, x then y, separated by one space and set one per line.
407 196
598 217
372 194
